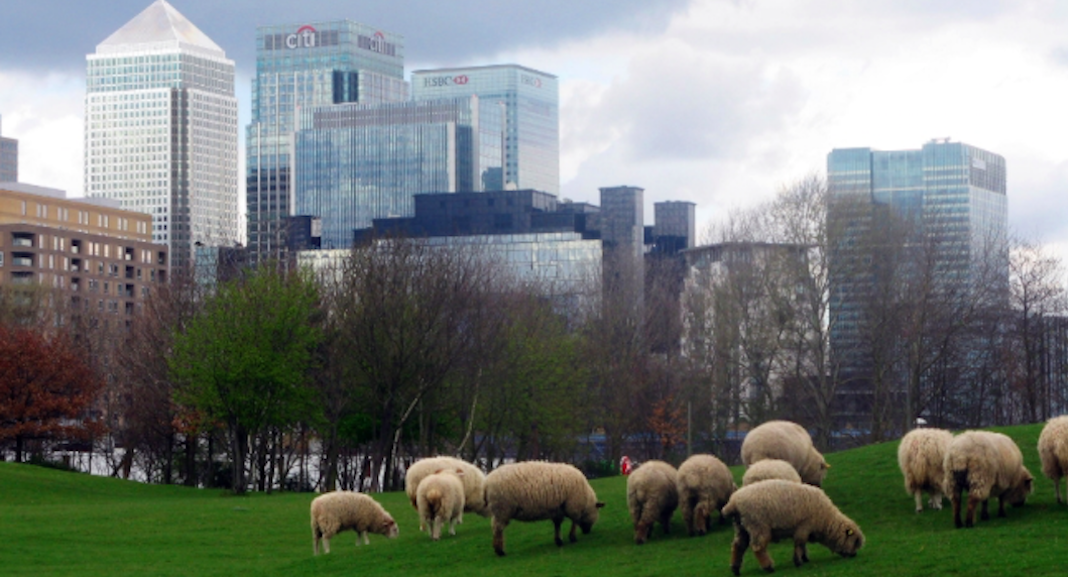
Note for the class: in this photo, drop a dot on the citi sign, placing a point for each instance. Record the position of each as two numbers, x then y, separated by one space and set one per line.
436 81
377 43
303 38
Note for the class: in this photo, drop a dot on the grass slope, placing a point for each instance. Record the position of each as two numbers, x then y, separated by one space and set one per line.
57 523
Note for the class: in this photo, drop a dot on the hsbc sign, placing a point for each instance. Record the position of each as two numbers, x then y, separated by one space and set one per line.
530 80
437 81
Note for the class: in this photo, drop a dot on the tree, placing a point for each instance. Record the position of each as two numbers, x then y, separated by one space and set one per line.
244 360
46 388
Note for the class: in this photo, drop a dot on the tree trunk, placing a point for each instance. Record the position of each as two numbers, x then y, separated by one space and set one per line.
240 453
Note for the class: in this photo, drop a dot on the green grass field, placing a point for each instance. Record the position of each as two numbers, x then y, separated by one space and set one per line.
58 523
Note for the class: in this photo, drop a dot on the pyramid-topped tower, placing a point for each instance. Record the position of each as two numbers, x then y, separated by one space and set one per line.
161 130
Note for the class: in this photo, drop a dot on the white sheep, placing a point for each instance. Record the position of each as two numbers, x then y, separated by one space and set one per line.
537 490
787 441
1053 450
985 464
775 509
339 511
704 485
652 495
440 499
770 469
473 477
921 456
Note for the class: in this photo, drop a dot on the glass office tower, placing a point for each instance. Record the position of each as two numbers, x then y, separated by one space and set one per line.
519 121
161 130
9 158
302 66
356 163
952 199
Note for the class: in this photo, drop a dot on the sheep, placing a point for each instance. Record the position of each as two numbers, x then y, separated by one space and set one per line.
704 485
787 441
920 456
770 469
474 501
537 490
985 464
1053 449
338 511
770 510
652 495
440 499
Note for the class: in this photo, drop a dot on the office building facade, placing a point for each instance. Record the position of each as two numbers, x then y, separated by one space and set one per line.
355 163
301 67
949 202
161 130
518 121
9 157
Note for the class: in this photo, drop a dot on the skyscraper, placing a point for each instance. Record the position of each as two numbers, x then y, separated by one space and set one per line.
355 162
518 120
949 200
161 130
301 66
9 158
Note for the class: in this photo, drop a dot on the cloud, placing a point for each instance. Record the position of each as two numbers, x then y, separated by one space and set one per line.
45 113
57 34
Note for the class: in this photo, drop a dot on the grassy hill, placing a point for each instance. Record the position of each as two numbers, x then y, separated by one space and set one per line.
58 523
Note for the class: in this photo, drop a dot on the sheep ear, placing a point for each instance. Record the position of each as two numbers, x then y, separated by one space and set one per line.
826 465
600 504
849 532
459 472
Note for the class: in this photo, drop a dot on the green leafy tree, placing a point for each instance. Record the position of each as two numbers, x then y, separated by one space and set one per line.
245 359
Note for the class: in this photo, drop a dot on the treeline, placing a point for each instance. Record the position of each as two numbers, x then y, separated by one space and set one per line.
284 379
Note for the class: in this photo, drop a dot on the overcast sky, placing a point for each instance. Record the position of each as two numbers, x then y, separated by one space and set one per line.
719 102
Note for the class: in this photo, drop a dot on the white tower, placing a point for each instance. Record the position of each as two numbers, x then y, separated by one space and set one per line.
161 130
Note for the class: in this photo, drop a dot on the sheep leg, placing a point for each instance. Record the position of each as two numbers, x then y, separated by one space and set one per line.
435 528
1057 488
969 519
738 547
316 537
642 529
800 551
326 545
498 536
761 553
919 501
557 521
572 536
955 500
665 521
936 500
688 518
985 514
363 535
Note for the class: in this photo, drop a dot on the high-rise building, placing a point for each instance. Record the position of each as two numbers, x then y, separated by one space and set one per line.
357 162
9 158
161 130
300 67
518 121
950 198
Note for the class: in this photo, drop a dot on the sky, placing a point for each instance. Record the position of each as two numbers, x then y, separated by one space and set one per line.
717 102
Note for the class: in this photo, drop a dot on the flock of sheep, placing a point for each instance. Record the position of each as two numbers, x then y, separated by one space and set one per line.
780 497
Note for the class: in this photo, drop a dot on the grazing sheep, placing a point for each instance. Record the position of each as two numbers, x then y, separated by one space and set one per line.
921 455
474 501
775 509
440 499
332 513
1053 449
536 490
787 441
652 495
986 465
770 469
705 484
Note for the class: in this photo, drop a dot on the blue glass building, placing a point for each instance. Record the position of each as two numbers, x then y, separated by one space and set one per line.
951 196
9 158
518 121
356 163
303 66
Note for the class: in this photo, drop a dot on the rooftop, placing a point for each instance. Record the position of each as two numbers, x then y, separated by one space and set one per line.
159 26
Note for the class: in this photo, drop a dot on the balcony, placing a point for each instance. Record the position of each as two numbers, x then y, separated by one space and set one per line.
21 239
22 259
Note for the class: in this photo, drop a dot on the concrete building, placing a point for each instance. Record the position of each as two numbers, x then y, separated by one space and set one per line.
100 256
161 130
